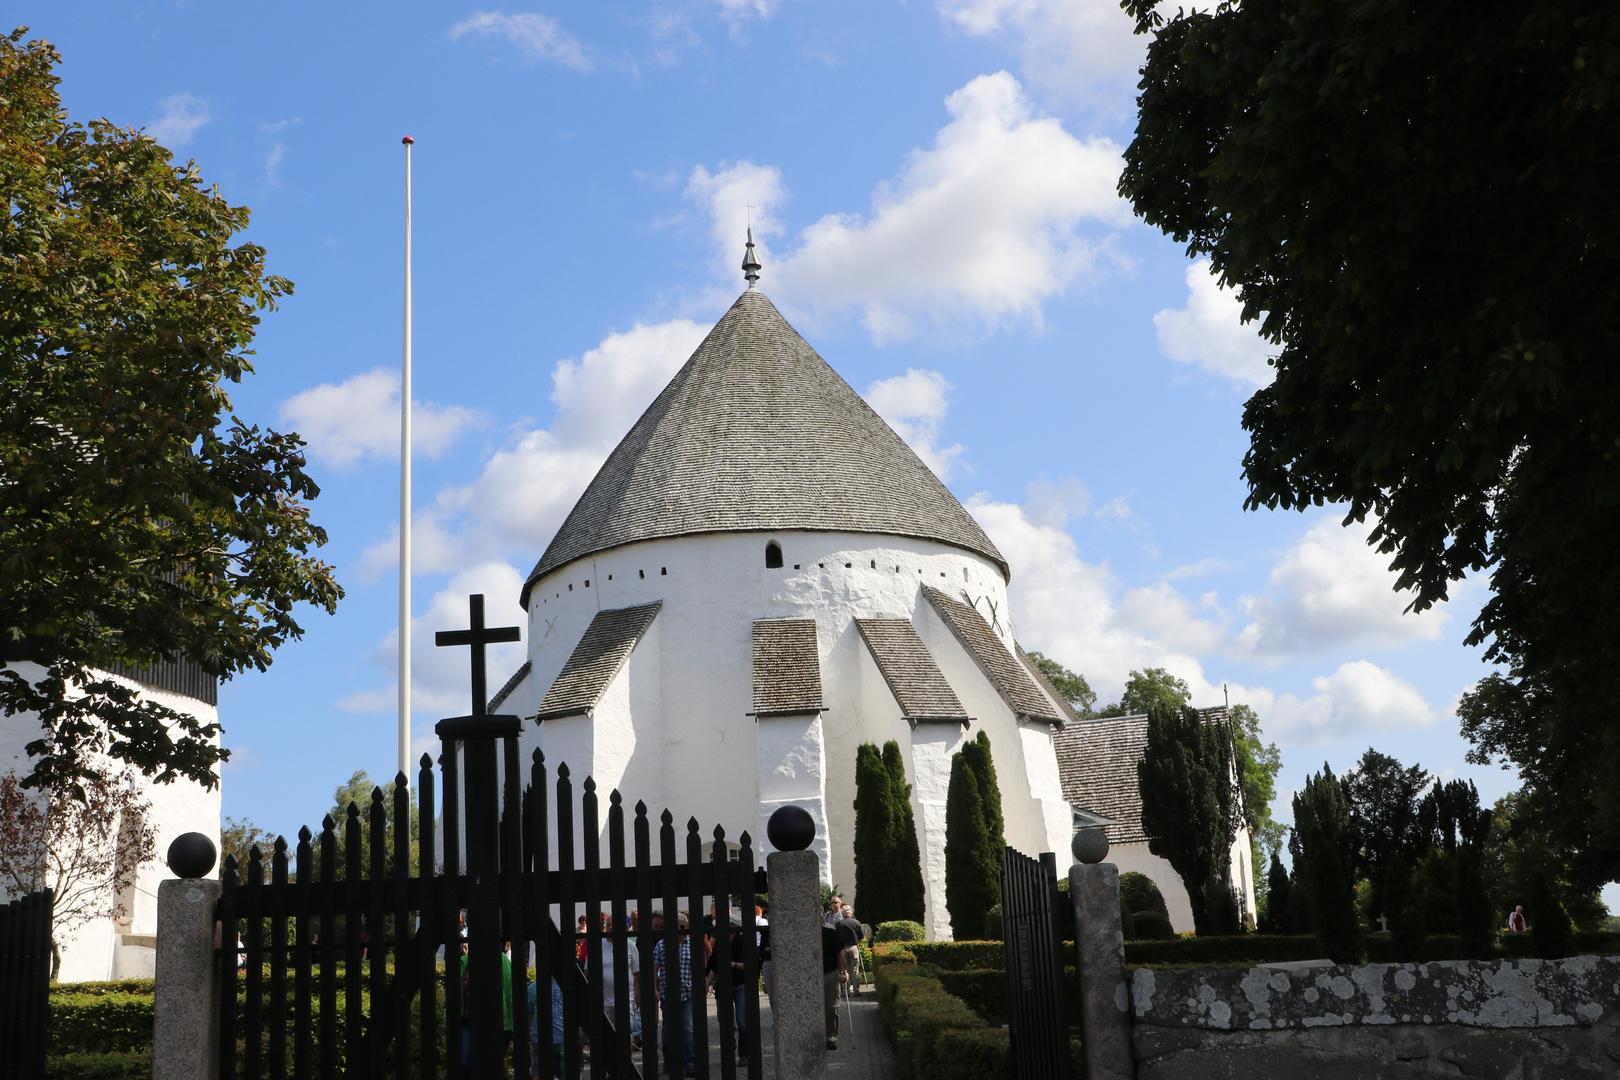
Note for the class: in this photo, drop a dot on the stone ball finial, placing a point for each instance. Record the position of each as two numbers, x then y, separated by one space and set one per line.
1090 845
791 828
192 855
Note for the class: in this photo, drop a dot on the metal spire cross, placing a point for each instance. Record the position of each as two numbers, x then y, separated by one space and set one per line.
478 636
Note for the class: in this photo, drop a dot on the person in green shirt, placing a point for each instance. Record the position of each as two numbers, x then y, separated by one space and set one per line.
467 1005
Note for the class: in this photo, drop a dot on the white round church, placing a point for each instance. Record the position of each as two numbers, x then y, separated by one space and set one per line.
761 577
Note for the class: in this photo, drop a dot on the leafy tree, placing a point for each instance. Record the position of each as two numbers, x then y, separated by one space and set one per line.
1402 910
1071 684
1454 383
86 848
140 519
237 839
907 868
1322 820
1258 763
1551 933
1278 897
1190 808
1147 689
1519 848
358 792
1220 907
1383 798
974 844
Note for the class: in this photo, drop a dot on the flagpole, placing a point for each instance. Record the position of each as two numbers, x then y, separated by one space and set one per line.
405 497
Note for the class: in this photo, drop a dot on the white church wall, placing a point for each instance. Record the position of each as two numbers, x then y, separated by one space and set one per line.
713 588
1028 764
180 807
792 770
1136 857
931 748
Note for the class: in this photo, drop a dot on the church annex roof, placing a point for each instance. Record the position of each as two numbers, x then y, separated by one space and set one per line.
787 668
1010 677
913 677
757 432
597 658
1097 769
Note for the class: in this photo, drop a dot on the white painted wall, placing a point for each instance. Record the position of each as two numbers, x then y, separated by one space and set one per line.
1137 857
93 952
688 742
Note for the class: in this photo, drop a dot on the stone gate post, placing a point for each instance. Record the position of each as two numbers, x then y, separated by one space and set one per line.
1099 944
185 1022
796 1000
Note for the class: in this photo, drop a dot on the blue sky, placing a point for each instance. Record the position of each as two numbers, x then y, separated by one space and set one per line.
934 191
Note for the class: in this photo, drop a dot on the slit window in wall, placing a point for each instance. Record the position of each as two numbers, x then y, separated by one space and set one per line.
587 583
663 571
874 564
773 556
643 573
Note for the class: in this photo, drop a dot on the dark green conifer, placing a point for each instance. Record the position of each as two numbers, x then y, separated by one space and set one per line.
1278 895
907 855
1551 933
1476 923
1404 912
972 877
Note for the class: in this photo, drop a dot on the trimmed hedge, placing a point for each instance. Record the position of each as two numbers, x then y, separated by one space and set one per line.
1238 949
902 930
922 1012
100 1022
960 955
134 1065
974 1052
96 989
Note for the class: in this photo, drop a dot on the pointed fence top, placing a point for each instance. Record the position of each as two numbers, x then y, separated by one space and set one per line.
750 263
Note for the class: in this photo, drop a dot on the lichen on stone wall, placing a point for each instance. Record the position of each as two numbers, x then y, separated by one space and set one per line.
1580 991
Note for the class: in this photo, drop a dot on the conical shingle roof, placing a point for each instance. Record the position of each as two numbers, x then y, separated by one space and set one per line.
757 432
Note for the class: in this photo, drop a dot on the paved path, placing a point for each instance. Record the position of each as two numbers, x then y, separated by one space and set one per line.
863 1053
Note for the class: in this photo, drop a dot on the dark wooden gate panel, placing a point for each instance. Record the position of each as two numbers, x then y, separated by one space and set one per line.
25 985
1038 1019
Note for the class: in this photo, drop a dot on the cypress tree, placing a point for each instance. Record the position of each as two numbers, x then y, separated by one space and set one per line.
994 852
966 892
1403 911
1321 819
1220 908
1551 933
905 867
873 847
1189 806
1278 896
1476 925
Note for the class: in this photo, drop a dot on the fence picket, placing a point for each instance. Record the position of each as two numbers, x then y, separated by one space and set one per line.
229 957
253 1021
700 999
301 958
353 984
750 940
452 928
328 949
724 1000
591 836
430 932
646 942
278 961
512 888
624 991
569 963
399 998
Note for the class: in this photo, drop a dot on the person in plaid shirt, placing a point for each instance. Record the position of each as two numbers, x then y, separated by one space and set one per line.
689 1058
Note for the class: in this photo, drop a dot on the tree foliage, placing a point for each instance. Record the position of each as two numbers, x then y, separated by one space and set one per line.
1278 897
1190 807
1258 763
140 519
888 869
1146 690
1384 821
1322 822
1452 382
85 847
1071 684
974 838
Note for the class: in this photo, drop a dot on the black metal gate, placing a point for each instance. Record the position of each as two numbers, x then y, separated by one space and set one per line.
25 985
342 974
1038 1020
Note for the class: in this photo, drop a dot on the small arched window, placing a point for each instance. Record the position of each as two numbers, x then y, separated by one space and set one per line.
773 556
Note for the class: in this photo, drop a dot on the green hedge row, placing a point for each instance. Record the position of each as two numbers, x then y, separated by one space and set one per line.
133 1065
96 989
100 1023
959 955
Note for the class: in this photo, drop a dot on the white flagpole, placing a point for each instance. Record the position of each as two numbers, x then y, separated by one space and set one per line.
405 498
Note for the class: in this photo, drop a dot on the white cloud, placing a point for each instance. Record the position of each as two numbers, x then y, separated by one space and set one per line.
986 224
737 196
182 115
272 164
528 486
359 417
1359 699
539 36
1331 589
1209 332
914 404
440 679
1077 51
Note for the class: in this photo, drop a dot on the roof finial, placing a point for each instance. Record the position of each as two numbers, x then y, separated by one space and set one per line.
750 262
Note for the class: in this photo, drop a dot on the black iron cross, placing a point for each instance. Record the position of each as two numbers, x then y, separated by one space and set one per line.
478 636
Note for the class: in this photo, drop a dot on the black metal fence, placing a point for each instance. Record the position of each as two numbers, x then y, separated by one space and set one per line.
1038 1021
25 985
351 964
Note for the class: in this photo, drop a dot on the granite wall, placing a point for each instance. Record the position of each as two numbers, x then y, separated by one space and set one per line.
1507 1019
